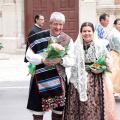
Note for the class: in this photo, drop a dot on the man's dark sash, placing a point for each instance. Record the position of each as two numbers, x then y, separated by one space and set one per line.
48 79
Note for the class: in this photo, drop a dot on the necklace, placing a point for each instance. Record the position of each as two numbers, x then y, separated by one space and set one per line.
87 43
86 46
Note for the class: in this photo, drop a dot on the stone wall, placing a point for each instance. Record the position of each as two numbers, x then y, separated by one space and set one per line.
91 9
11 25
12 22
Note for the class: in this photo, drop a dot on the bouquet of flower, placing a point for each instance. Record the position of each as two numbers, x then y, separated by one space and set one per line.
102 63
1 46
53 50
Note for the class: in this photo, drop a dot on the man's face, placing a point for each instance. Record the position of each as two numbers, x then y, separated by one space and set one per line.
105 22
56 27
40 21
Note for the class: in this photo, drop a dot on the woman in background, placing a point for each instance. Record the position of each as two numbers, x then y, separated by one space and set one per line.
114 40
90 94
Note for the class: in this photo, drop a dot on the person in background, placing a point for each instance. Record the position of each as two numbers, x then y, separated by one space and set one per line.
114 41
100 29
90 94
39 22
45 94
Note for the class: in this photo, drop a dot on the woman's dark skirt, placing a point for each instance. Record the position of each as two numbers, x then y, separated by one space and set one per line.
93 108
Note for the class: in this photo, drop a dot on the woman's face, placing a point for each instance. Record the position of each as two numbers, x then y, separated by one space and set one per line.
118 25
87 34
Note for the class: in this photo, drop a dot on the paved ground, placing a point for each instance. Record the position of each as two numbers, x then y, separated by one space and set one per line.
14 86
13 101
12 68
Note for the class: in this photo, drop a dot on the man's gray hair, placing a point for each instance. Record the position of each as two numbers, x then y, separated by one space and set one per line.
58 16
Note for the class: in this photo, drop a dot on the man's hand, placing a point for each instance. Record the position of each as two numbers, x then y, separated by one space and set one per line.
47 62
56 60
51 62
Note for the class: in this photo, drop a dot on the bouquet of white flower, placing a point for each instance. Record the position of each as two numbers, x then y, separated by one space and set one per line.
55 50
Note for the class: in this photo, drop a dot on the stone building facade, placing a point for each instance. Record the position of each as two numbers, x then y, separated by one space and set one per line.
12 20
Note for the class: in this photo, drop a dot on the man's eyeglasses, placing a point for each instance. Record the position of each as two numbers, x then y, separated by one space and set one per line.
41 19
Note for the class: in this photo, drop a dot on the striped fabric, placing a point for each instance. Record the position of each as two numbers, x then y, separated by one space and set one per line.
47 79
39 41
49 84
102 34
41 70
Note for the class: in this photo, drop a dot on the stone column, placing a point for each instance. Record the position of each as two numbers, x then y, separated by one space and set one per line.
9 38
9 19
105 2
1 2
0 23
117 11
20 22
88 11
9 1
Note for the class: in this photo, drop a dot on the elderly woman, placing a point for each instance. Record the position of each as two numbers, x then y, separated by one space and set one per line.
114 40
90 95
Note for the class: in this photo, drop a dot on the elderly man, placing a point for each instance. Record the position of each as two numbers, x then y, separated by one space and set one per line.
50 95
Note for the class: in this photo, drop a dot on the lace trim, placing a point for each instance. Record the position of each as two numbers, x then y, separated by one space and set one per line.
78 73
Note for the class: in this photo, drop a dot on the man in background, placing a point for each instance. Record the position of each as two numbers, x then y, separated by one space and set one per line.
100 29
39 21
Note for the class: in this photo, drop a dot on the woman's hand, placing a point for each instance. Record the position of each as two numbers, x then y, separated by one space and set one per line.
96 71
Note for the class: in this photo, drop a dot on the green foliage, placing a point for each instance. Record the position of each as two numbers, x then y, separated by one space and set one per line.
99 64
31 69
1 45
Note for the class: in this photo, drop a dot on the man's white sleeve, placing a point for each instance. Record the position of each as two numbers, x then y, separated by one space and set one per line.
33 58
